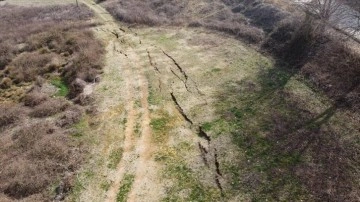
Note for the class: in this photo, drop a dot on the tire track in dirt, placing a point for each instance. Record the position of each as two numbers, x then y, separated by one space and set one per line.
126 161
121 169
144 144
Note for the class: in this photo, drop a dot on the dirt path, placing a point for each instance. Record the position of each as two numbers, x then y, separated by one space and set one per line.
136 153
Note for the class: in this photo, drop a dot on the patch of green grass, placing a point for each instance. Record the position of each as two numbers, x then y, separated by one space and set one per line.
153 98
207 126
160 128
215 70
159 124
80 128
105 88
115 158
63 89
124 121
138 103
218 127
105 185
137 129
80 183
167 42
125 188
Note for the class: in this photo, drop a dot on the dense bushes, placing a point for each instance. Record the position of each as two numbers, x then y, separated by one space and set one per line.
32 49
335 69
212 15
44 54
40 153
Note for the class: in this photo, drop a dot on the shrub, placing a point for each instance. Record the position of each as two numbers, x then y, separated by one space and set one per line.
33 99
5 83
266 16
21 178
135 13
28 135
6 54
244 32
36 160
71 116
335 69
280 36
27 66
49 108
9 114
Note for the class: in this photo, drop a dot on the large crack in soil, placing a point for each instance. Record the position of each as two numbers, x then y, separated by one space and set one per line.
151 61
180 109
177 65
217 164
186 76
204 135
218 172
203 153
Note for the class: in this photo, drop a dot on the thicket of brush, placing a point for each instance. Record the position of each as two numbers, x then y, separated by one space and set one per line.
213 15
47 51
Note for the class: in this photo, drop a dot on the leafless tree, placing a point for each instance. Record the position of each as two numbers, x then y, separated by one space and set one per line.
337 14
323 9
